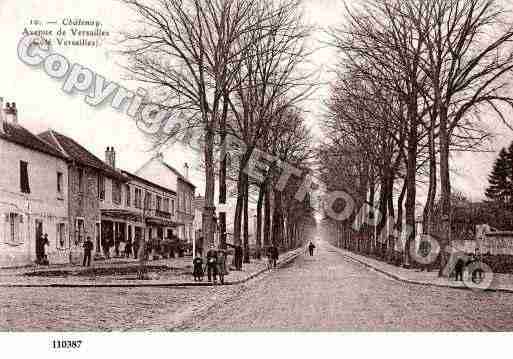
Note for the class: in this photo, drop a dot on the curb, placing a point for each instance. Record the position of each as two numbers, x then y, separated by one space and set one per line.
285 260
411 281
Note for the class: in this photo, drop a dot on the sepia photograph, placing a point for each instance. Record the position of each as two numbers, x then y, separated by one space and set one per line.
257 168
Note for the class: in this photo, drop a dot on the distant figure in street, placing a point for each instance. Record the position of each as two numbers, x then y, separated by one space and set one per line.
458 269
88 248
198 268
142 256
136 247
212 265
221 265
311 248
44 242
106 248
128 248
273 255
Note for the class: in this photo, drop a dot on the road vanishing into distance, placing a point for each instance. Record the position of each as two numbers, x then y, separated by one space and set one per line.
326 292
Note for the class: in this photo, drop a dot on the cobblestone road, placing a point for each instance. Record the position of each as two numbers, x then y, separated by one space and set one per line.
324 292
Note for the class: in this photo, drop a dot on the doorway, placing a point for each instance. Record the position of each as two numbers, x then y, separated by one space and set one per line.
39 239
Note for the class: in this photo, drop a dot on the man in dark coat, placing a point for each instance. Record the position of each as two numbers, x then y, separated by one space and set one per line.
212 265
458 269
274 255
88 248
311 247
198 268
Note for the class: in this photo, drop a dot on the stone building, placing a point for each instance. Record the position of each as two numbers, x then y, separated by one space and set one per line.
86 189
33 194
167 176
137 209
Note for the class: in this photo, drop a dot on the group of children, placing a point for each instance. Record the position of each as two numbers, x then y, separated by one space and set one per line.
215 266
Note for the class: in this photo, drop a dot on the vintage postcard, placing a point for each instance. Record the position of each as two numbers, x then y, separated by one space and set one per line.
255 166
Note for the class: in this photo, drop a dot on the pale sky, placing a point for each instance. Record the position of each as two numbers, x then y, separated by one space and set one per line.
42 104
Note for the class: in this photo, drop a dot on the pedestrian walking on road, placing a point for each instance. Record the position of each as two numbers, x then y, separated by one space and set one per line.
311 248
88 248
128 248
458 269
197 272
44 243
273 255
212 265
221 265
143 257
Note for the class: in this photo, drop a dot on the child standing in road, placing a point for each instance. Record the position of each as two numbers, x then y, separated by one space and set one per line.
198 268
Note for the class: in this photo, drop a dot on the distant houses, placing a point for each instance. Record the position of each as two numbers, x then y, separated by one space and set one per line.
53 185
33 194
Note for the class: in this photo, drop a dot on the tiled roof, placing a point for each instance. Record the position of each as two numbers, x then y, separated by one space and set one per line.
179 175
150 183
78 153
15 133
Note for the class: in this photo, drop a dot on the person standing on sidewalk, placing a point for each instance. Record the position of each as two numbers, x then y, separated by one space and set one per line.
311 248
198 268
142 256
45 242
128 248
221 265
88 248
274 255
212 265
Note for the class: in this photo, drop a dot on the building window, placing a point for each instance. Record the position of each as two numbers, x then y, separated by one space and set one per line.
59 182
147 200
24 178
80 175
14 222
173 207
61 236
101 187
128 195
138 198
166 205
79 231
116 192
159 203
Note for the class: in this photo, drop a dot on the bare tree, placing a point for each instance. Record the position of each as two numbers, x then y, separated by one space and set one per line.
186 52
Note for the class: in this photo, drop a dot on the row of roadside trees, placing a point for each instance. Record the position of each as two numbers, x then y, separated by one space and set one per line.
416 81
230 69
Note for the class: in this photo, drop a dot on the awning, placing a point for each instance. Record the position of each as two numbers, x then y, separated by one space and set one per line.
161 222
122 214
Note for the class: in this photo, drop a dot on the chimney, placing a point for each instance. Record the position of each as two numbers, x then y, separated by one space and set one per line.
10 113
112 157
107 155
186 170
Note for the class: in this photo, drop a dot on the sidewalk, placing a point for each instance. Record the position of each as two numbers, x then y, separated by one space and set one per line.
500 282
122 272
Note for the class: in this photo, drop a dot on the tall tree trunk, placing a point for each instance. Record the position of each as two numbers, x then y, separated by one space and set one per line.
372 195
237 222
277 220
222 176
427 215
267 215
209 209
411 190
445 185
258 252
246 219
